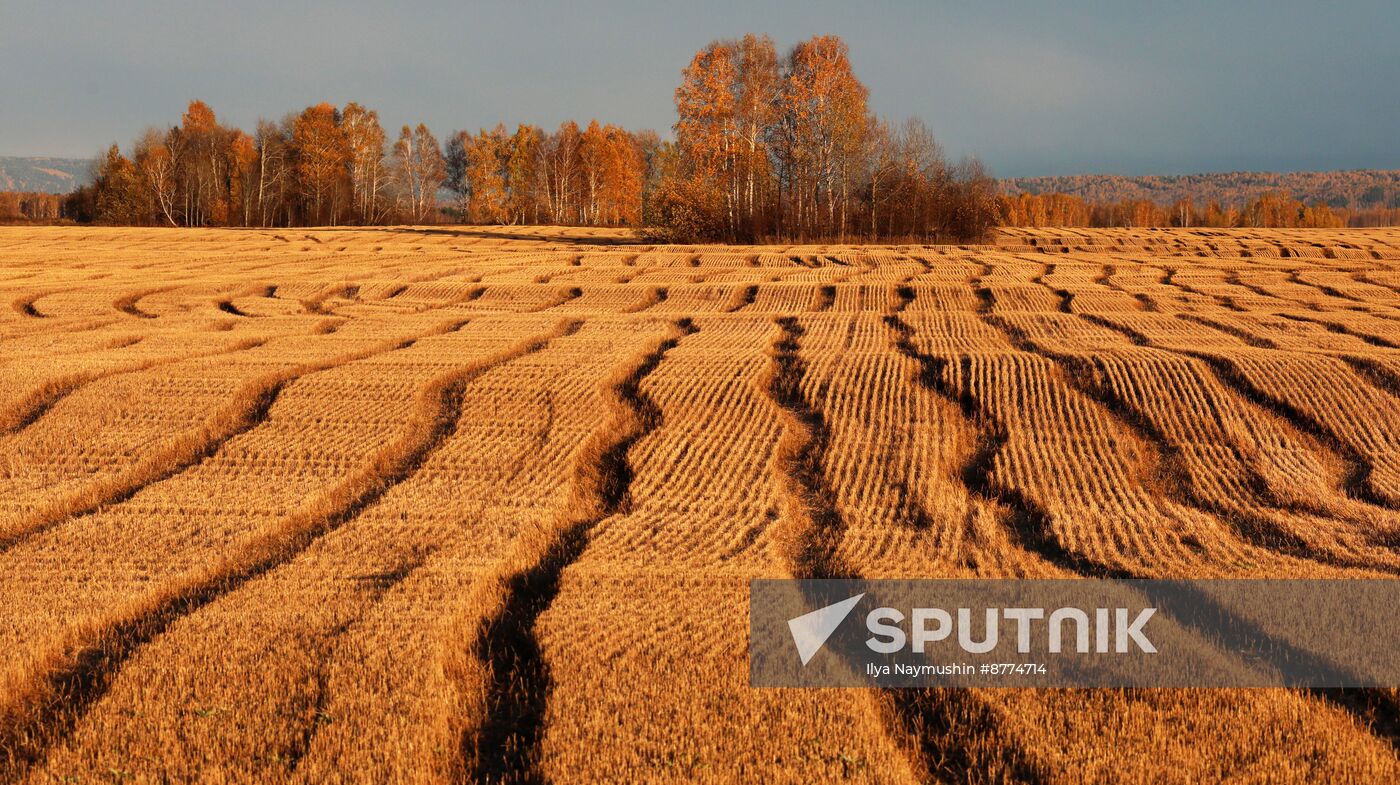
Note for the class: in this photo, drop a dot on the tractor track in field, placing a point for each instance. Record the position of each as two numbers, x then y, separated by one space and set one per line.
1031 528
653 297
34 404
246 410
315 715
741 299
63 695
1088 376
24 305
561 297
923 723
1356 482
129 303
503 746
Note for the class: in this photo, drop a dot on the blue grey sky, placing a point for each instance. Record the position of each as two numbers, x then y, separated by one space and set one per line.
1034 88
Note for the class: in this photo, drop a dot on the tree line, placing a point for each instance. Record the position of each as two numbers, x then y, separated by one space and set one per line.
321 166
765 148
333 166
1355 190
1267 209
30 206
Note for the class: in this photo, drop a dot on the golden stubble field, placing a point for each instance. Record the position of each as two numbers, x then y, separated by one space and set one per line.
456 505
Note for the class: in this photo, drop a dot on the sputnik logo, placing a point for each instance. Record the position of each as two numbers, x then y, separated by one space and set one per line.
810 630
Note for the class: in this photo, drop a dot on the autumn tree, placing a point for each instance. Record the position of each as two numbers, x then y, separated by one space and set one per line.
487 157
320 155
159 170
120 195
755 110
270 174
522 175
202 150
821 130
557 172
622 178
364 153
419 169
706 136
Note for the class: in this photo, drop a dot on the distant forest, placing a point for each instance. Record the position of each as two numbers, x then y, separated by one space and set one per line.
1353 190
1300 199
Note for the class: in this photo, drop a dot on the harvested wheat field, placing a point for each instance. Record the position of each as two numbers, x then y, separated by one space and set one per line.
481 505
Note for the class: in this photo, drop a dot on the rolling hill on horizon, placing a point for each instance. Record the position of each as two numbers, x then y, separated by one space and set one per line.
43 174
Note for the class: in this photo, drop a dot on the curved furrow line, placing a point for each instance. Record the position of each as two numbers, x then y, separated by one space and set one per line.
503 746
1378 375
1088 377
470 295
1362 277
653 296
930 725
315 714
24 412
244 411
1357 480
24 305
1342 329
1228 302
229 308
127 303
33 723
1031 527
1249 338
1105 279
1233 278
813 528
563 296
741 299
1296 277
1255 481
1027 521
316 304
